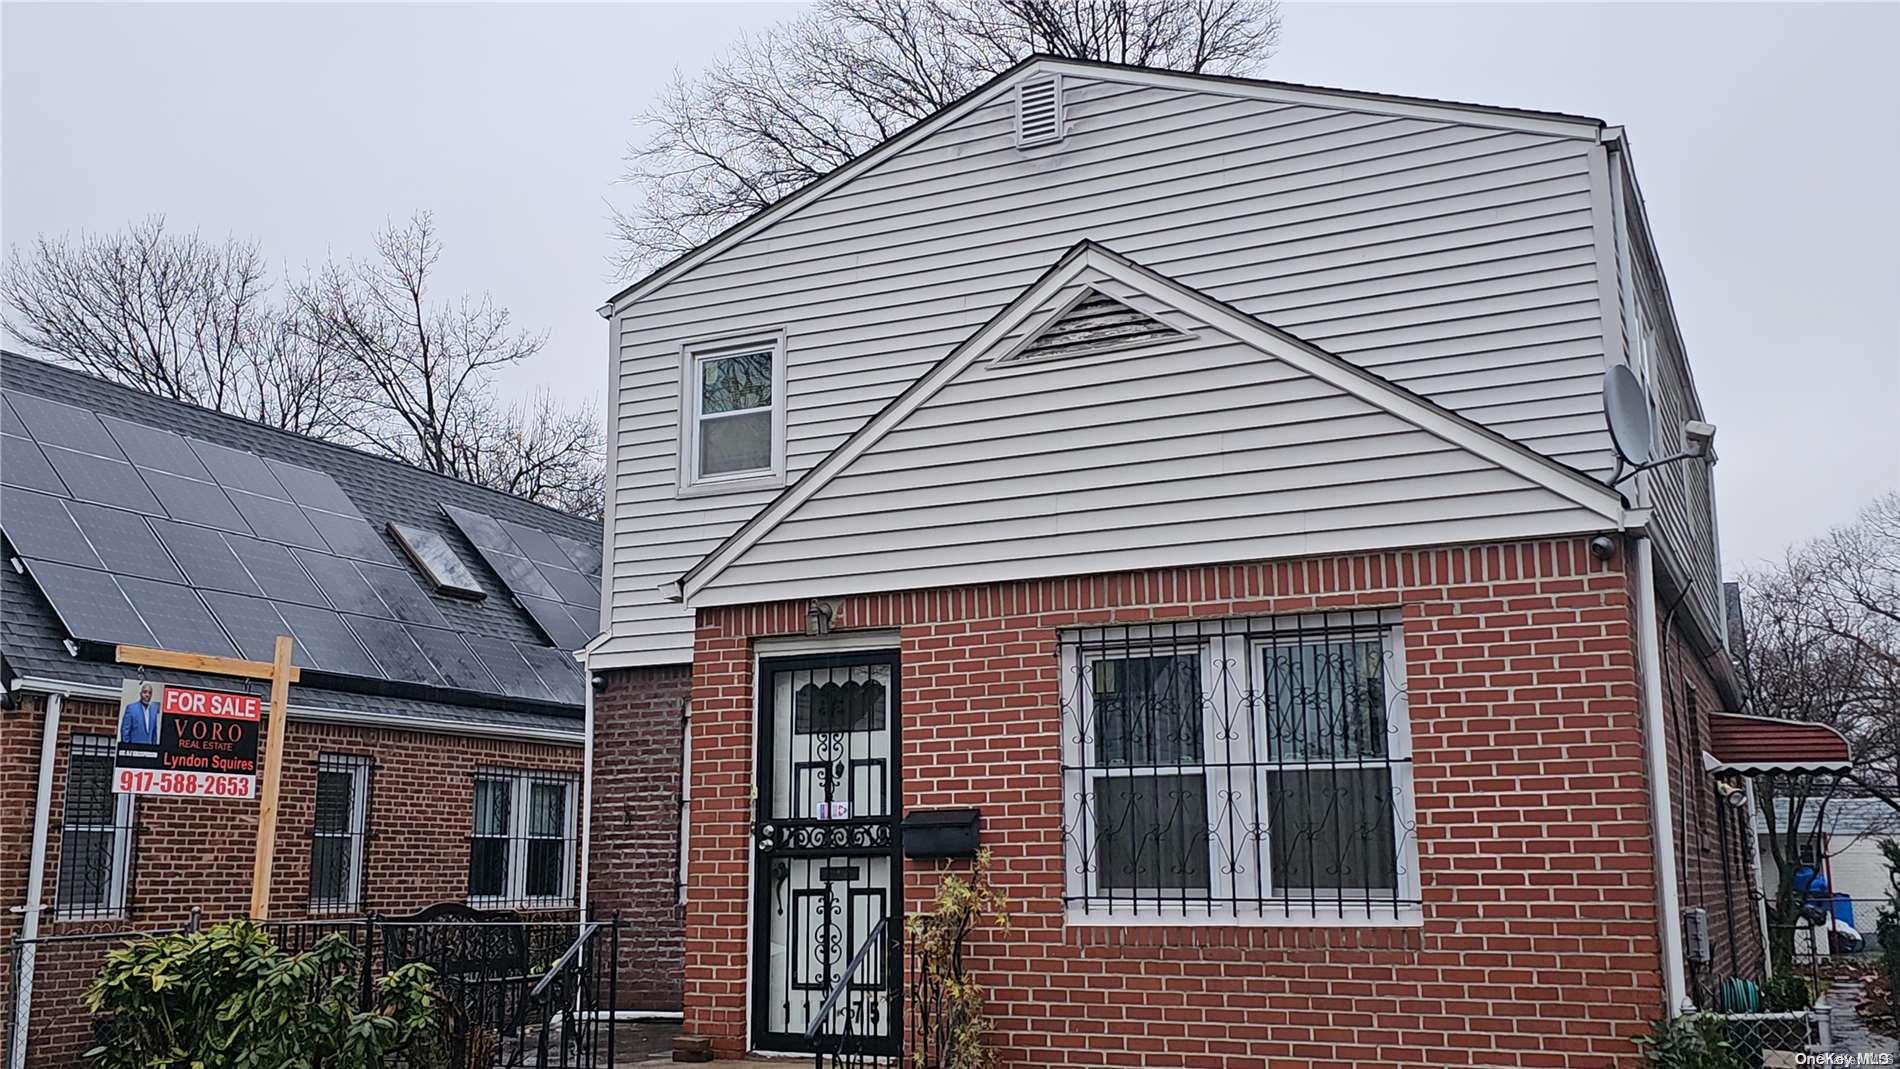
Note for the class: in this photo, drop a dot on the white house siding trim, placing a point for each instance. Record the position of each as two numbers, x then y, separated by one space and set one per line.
1002 87
1455 258
1681 494
1246 444
1038 502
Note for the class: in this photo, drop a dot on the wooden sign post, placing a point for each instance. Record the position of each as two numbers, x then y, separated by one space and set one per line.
281 674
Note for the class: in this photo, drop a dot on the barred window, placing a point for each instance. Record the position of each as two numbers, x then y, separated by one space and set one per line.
522 846
337 833
1242 770
95 838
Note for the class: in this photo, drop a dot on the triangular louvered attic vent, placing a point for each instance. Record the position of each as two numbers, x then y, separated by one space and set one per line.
1093 322
1038 112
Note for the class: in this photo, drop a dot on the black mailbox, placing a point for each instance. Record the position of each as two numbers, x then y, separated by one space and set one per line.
940 832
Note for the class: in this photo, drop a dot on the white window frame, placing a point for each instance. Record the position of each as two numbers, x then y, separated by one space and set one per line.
1227 901
693 356
114 905
514 884
354 834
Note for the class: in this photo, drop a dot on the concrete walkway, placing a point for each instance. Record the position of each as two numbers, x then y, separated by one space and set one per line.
648 1044
1850 1035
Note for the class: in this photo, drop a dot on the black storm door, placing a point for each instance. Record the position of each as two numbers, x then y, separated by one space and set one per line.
827 867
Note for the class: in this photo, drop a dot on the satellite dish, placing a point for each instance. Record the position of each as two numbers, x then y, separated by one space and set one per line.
1626 406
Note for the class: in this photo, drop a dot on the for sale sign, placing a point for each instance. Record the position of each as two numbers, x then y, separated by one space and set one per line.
186 741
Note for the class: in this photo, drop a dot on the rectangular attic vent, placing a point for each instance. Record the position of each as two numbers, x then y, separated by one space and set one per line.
1039 112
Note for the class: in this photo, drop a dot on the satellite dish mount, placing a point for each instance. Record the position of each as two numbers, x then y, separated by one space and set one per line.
1633 430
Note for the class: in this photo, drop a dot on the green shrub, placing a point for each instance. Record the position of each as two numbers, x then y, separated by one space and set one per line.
229 998
1785 992
1692 1041
1887 927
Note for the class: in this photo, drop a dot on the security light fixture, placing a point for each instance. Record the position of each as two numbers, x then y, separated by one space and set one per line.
1700 437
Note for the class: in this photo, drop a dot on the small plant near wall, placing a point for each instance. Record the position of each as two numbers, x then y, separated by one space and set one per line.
1786 992
230 998
1888 927
1691 1041
949 1000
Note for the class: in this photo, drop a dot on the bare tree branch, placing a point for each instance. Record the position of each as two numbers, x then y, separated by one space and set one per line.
360 352
788 106
176 315
1822 646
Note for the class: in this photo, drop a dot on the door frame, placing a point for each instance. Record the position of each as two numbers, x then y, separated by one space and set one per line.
794 654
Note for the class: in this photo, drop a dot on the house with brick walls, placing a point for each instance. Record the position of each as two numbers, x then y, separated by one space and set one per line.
434 742
1197 494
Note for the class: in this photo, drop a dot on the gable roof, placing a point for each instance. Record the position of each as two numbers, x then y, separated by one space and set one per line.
1548 122
33 642
1001 335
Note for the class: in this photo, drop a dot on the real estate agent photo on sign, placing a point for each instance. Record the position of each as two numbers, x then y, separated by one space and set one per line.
141 716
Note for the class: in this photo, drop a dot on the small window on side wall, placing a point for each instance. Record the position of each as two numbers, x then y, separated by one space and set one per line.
732 433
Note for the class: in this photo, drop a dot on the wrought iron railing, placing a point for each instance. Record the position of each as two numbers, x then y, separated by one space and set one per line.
836 1030
519 994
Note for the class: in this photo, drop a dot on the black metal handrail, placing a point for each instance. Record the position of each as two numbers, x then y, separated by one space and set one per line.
844 979
567 959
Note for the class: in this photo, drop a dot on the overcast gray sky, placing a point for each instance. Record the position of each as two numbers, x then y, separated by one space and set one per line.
1765 137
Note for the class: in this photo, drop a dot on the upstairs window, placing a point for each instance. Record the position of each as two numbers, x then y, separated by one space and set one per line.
732 432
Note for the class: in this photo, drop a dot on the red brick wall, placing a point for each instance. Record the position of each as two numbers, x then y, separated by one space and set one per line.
1713 845
1539 944
198 852
638 723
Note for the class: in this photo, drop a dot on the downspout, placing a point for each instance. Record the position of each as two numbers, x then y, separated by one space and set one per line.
1761 889
1656 745
35 880
587 774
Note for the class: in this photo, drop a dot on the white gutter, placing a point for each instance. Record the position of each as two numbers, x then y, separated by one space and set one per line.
1656 745
587 774
308 714
1754 867
35 879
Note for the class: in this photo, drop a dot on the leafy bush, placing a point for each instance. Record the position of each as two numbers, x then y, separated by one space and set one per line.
229 998
958 1026
1692 1041
1888 926
1785 992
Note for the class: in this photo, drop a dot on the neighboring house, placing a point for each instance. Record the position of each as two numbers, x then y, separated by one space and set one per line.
1846 852
1206 481
435 746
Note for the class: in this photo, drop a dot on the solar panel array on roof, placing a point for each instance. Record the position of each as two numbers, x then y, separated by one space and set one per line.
139 535
556 579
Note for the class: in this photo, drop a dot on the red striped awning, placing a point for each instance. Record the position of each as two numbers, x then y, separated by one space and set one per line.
1755 744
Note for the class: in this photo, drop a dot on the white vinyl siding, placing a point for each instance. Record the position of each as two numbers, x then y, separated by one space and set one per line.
1456 259
1682 494
1183 454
